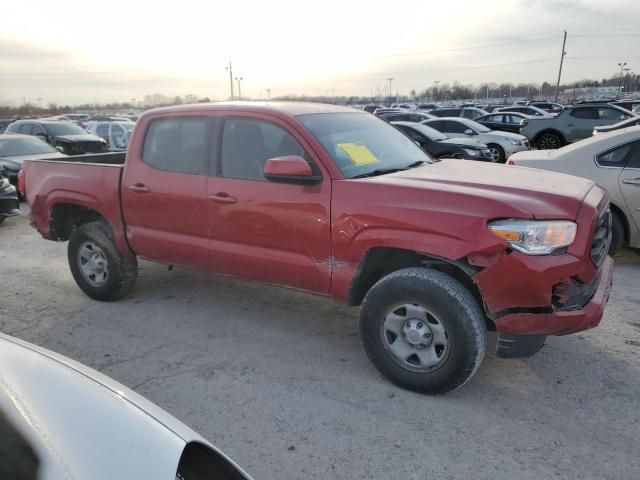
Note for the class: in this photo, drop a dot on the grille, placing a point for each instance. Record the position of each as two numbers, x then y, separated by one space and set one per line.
601 238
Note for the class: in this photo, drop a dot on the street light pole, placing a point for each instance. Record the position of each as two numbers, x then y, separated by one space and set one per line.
230 69
390 80
621 65
268 94
239 79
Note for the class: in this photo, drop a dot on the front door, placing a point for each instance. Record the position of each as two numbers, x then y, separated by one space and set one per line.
164 191
262 230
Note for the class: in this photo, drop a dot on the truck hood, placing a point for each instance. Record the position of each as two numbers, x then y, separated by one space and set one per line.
519 192
83 424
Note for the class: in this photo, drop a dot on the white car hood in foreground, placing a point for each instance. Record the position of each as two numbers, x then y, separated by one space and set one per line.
82 424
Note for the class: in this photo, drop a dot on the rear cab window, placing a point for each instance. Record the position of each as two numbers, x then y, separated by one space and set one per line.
177 145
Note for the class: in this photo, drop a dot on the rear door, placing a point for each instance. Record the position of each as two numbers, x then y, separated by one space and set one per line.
263 230
511 123
630 184
454 129
163 191
580 123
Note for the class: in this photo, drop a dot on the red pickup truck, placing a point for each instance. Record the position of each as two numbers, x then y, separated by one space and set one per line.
336 202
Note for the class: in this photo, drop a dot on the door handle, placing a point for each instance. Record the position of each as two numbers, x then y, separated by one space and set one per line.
139 188
631 181
222 198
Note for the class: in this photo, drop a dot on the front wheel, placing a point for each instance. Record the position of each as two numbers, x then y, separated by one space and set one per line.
97 266
423 330
497 153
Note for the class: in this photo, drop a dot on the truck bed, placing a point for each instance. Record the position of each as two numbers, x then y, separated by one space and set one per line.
87 181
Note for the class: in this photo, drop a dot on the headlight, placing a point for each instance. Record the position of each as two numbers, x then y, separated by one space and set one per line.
514 142
471 153
535 238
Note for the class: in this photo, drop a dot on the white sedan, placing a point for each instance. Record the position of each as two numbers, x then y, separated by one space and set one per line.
612 160
70 422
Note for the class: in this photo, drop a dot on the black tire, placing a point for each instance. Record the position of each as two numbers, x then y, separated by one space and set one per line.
549 141
500 150
617 234
121 272
454 306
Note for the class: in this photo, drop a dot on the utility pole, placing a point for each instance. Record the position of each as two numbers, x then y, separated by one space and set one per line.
390 80
564 43
239 79
230 69
268 94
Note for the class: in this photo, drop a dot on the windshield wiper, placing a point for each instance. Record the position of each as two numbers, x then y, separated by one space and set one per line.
384 171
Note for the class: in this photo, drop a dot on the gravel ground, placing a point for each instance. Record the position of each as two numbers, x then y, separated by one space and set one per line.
279 381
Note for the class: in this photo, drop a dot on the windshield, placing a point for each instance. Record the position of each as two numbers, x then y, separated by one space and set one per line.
64 128
14 147
360 143
430 132
478 127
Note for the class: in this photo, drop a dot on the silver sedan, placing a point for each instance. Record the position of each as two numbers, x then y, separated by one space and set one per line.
612 160
501 144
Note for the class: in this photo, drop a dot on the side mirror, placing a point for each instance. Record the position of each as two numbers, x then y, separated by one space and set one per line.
290 169
468 131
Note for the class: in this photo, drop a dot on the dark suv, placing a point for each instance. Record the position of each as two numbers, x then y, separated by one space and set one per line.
71 139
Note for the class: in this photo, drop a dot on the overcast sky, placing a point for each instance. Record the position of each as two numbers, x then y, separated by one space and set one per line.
72 51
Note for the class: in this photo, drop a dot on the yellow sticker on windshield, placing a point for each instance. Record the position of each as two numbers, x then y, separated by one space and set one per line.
358 153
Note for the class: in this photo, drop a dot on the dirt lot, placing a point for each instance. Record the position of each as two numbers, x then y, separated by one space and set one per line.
279 381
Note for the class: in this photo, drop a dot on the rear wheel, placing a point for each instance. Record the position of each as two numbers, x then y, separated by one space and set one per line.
549 141
423 330
97 266
617 234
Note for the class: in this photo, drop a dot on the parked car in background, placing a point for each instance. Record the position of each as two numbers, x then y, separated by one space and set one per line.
15 148
415 117
501 144
405 106
4 123
574 123
549 107
371 108
116 133
505 122
334 201
71 138
530 110
613 162
427 106
438 145
464 112
83 425
9 204
627 104
629 122
383 110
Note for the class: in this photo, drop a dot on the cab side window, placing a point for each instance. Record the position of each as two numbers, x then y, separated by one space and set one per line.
177 145
248 143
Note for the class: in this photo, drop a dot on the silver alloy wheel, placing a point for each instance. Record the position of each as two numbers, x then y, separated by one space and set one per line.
415 337
93 264
495 154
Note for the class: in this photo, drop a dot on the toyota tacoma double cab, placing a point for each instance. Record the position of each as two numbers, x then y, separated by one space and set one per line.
337 202
574 123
